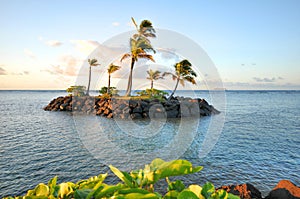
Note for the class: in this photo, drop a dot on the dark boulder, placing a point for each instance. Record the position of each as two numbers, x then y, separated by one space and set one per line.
244 191
285 189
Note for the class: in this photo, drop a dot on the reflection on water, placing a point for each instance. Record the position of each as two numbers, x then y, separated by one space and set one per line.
131 144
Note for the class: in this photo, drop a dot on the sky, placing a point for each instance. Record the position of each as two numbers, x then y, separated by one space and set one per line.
252 44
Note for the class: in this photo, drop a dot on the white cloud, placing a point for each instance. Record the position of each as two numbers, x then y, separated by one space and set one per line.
86 47
115 23
68 66
29 53
53 43
2 71
40 38
267 79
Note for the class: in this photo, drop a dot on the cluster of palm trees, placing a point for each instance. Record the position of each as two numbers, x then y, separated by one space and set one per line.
140 46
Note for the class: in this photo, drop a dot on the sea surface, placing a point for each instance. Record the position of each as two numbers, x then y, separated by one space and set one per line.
258 142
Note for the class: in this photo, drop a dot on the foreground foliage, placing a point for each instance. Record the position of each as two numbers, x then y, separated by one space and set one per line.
138 184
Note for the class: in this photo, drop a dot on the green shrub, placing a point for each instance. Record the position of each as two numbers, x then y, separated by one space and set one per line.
113 90
137 184
153 94
76 91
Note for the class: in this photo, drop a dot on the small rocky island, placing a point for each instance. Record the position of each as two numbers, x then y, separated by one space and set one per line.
133 108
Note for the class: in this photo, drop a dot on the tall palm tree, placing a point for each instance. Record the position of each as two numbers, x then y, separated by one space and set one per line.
92 62
111 69
153 75
145 29
183 72
139 46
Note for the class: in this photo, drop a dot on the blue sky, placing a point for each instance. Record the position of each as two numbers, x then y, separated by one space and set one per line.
253 44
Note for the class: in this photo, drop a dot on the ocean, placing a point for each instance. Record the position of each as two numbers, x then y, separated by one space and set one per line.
255 139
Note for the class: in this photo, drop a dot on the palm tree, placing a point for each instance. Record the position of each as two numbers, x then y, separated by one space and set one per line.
153 75
146 29
92 62
139 46
111 69
183 72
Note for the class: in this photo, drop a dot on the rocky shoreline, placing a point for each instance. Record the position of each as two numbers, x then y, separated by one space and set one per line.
285 189
134 108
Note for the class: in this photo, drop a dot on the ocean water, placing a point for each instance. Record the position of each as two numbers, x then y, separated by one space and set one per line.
259 142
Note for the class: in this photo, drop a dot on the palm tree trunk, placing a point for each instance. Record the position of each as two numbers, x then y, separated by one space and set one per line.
129 85
151 84
108 87
174 89
88 88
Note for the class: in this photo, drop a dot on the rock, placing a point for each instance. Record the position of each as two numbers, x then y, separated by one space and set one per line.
280 194
106 111
63 106
145 108
110 115
136 116
137 109
285 189
133 103
244 191
172 113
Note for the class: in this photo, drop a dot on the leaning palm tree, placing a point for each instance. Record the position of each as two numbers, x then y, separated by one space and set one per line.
111 69
153 75
145 29
92 62
183 72
139 46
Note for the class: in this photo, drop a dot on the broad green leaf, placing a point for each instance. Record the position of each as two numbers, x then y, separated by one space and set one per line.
125 177
30 192
208 189
95 190
141 196
232 196
220 194
177 186
173 168
64 190
186 194
41 190
34 197
133 190
108 190
91 182
196 189
156 163
82 193
52 186
171 195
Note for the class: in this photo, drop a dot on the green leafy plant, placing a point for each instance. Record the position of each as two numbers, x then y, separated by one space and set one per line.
104 92
77 91
153 93
137 184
